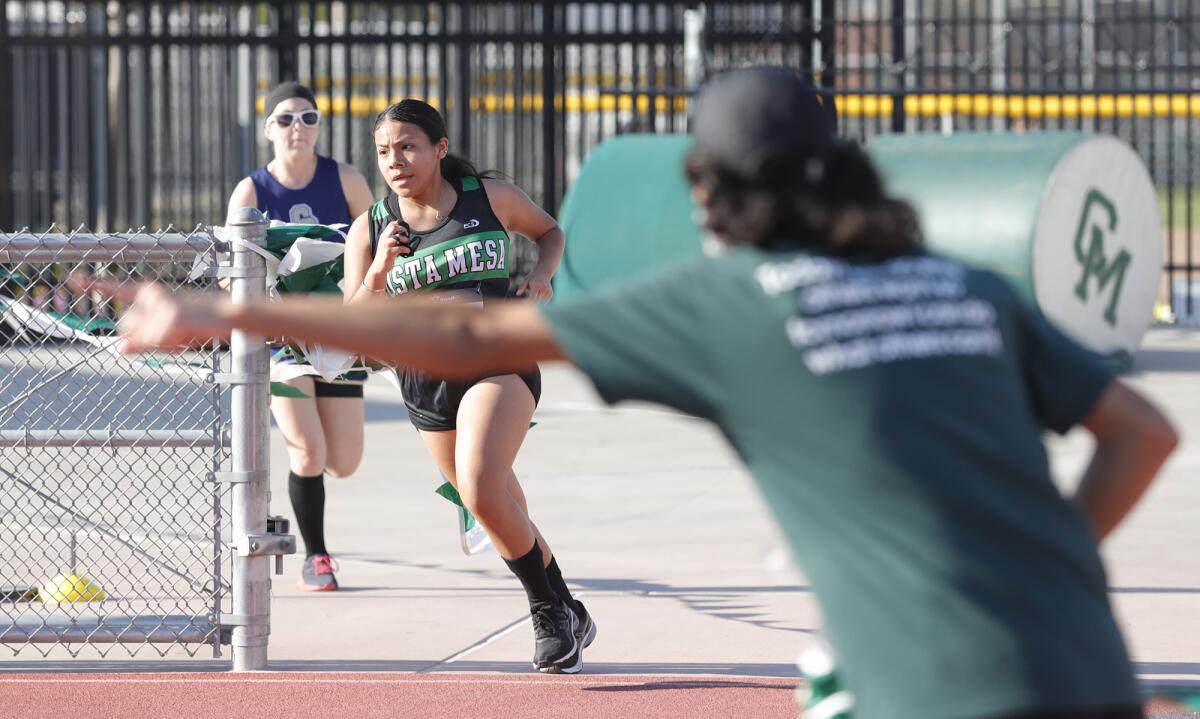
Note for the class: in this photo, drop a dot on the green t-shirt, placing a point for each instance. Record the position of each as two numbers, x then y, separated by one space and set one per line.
892 416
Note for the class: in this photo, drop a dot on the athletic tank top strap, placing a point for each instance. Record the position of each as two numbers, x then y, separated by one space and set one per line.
322 201
468 250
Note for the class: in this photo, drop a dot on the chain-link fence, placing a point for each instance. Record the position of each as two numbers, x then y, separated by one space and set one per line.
120 520
175 90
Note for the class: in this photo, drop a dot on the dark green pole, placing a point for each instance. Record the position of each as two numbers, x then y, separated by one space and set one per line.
7 221
899 49
549 121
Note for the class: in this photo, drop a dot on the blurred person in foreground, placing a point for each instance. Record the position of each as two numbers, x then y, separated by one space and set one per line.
889 403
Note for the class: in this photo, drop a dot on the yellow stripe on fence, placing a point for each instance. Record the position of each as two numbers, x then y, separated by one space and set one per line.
923 105
1026 106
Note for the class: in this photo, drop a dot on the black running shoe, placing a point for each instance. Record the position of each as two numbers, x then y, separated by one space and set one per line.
556 649
586 632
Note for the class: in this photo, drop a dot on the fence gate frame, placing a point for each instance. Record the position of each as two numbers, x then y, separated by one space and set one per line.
257 538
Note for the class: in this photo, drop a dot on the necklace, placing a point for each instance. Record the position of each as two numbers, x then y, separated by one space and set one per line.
437 213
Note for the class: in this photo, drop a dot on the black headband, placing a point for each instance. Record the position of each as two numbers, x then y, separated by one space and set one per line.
286 91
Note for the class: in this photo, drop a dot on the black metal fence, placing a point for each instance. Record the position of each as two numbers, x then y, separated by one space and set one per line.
147 113
1129 68
129 114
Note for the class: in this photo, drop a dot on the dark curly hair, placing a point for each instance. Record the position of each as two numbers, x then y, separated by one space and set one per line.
834 205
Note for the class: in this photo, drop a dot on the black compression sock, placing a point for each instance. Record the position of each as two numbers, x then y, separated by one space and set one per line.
554 575
308 504
532 574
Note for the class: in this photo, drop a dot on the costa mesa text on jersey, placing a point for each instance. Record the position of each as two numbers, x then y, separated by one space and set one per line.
479 256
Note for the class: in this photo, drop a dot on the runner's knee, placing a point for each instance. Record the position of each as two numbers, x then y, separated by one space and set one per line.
484 496
342 465
307 459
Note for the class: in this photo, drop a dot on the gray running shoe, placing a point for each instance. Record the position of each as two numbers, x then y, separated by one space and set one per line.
317 574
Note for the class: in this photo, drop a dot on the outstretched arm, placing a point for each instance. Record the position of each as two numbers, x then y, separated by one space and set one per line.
453 340
1133 439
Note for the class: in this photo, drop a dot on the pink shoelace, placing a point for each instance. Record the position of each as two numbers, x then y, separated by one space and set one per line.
322 564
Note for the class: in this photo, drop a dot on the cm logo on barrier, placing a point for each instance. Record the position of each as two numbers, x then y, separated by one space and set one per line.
1093 258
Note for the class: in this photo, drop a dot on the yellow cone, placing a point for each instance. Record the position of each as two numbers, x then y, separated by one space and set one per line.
70 588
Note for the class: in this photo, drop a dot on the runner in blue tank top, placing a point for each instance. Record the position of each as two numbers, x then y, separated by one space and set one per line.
324 430
322 201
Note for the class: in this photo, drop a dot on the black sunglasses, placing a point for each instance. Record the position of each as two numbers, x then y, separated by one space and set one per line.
308 118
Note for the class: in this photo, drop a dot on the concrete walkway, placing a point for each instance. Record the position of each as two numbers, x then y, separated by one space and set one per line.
665 539
669 544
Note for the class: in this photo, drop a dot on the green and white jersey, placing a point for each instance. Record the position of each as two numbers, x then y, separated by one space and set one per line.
892 416
467 253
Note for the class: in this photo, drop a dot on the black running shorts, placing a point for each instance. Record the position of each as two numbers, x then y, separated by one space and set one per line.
433 403
337 389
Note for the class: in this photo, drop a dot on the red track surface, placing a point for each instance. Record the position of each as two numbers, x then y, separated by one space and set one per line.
372 695
363 696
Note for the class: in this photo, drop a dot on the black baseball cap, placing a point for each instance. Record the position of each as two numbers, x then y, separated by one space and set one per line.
751 120
286 91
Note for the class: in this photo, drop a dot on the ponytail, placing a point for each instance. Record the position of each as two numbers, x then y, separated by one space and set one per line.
454 168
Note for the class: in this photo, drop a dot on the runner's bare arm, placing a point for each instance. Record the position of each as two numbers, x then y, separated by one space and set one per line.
520 214
355 188
243 195
356 259
1133 439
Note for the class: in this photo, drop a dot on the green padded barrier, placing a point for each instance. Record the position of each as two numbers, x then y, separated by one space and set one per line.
1070 219
628 211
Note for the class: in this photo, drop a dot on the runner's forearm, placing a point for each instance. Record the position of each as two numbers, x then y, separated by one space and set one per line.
550 251
370 287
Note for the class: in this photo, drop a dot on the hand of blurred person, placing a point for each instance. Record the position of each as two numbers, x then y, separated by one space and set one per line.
158 319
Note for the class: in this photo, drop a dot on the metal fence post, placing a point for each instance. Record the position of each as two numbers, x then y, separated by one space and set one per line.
250 454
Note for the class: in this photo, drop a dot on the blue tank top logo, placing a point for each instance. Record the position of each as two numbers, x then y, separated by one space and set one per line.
321 202
303 212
